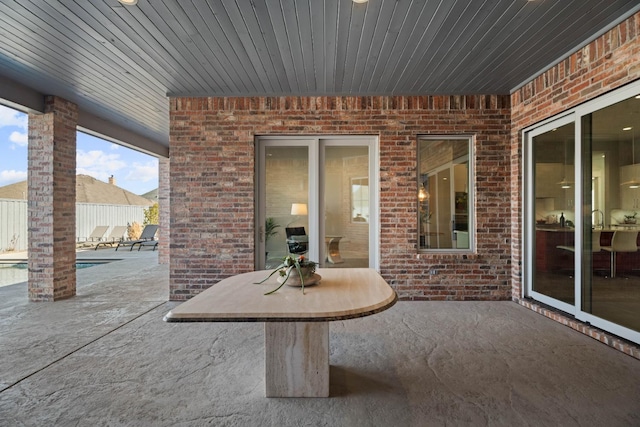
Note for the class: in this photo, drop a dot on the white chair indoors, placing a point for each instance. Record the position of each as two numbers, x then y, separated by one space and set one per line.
595 243
622 241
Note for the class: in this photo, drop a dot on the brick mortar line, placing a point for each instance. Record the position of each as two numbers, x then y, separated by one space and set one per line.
79 348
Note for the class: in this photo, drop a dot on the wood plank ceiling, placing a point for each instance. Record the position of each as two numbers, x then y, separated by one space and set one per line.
120 63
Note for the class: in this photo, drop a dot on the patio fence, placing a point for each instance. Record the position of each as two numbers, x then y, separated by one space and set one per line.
14 229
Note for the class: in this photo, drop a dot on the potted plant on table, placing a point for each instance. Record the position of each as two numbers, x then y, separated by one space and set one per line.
295 270
630 219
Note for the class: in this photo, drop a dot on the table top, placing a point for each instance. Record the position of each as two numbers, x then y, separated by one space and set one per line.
343 293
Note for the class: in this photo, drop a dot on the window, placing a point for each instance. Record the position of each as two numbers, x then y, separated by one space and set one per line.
360 200
444 198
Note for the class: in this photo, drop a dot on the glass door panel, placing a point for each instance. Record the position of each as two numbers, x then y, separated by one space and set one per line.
286 197
611 270
554 236
318 198
347 206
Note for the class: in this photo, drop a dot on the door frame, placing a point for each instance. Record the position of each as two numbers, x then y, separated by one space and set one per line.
529 216
575 115
316 145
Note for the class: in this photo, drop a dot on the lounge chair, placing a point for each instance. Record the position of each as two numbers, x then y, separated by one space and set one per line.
148 234
96 236
114 237
153 243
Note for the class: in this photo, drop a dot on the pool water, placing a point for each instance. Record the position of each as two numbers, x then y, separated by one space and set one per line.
11 274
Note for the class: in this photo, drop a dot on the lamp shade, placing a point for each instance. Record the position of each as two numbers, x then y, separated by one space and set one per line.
298 209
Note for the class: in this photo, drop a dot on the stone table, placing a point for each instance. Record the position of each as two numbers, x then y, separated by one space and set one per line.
296 324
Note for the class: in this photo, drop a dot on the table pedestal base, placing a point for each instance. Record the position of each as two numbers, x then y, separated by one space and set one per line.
296 359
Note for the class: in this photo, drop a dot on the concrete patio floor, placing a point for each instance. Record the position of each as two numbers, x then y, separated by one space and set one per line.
106 358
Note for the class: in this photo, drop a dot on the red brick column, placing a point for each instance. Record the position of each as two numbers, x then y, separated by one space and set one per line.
52 201
164 205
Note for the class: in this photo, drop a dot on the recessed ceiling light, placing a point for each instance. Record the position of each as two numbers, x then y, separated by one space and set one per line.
360 1
627 128
637 96
129 2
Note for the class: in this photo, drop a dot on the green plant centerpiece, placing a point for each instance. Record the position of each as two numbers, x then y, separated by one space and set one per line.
295 270
630 219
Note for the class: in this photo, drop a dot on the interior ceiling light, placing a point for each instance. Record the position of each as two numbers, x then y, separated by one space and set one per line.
360 1
129 2
627 128
565 183
633 183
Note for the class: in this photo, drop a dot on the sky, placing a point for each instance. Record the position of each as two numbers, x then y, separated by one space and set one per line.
133 171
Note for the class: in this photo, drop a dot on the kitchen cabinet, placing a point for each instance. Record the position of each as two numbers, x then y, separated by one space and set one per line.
549 257
548 178
629 197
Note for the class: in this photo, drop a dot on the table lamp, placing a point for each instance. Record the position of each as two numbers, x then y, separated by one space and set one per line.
299 209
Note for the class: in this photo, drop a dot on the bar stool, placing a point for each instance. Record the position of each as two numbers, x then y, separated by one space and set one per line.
595 243
622 241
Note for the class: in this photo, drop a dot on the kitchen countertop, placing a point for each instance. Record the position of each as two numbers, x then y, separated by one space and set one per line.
611 229
551 227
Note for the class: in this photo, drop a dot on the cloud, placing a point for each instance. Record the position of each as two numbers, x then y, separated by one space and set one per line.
98 164
19 138
11 176
144 172
11 117
114 146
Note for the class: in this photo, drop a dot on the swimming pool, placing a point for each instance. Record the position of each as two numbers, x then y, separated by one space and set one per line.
17 272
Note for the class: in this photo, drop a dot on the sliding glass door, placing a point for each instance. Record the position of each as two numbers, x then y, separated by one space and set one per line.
317 197
285 196
582 213
553 202
611 278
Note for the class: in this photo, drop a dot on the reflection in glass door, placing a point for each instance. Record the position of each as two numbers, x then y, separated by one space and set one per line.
347 216
554 210
611 266
286 197
316 197
591 271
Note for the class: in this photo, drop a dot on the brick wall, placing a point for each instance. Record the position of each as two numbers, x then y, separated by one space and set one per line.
212 178
52 207
609 62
